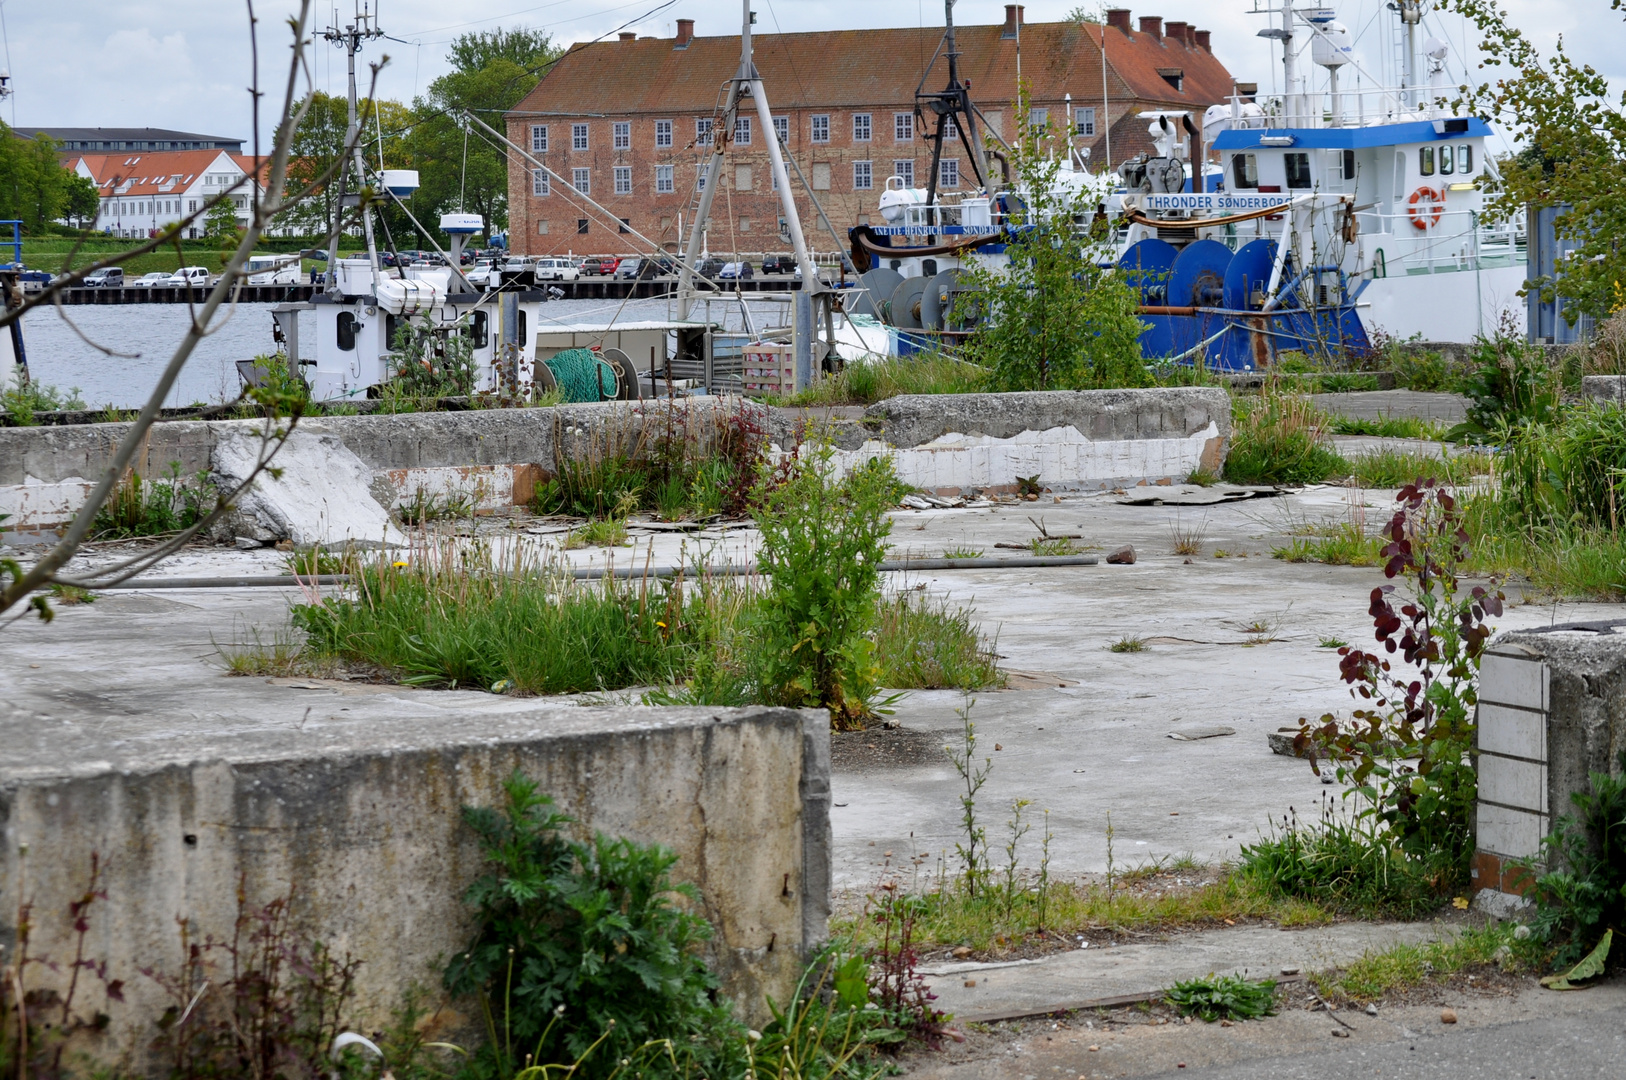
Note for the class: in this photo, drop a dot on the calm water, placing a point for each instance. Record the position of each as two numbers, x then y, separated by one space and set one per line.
58 357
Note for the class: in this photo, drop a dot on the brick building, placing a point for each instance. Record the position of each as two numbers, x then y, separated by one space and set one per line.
631 122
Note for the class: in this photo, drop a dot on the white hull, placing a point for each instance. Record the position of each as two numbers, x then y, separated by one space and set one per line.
1455 305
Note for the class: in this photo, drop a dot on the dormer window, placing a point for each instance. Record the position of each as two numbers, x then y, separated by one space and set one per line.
1175 77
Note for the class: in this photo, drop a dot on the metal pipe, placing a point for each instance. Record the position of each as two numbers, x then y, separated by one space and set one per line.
289 581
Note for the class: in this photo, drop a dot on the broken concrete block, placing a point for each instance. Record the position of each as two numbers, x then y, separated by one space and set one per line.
1124 556
322 497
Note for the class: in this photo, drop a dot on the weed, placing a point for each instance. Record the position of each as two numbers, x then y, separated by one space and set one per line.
69 595
1052 546
24 397
973 852
1389 427
895 985
317 562
1331 643
424 507
1128 644
1202 477
1223 997
964 553
1512 384
543 906
1343 545
1017 829
1397 468
823 539
140 507
600 532
1280 438
1378 974
1187 539
1583 892
868 381
924 642
281 654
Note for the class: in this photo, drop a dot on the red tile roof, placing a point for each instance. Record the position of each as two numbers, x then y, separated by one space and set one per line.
855 68
148 171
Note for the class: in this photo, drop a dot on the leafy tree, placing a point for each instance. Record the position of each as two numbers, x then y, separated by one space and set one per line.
1574 130
221 221
492 72
34 186
319 142
82 201
1051 319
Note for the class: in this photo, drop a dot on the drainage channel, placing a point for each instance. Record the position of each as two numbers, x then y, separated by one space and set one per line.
289 581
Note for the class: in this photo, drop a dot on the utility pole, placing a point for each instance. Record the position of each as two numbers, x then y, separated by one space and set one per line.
363 29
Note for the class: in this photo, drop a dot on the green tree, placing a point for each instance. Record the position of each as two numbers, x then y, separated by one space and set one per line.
492 72
34 186
82 201
319 142
1051 319
1574 131
221 220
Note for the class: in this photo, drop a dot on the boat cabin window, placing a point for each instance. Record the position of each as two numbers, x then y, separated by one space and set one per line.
1298 170
1425 161
346 328
1465 159
1245 170
479 330
1448 161
1349 164
392 326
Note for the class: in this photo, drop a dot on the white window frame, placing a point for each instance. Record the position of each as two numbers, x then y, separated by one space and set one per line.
863 176
1038 116
821 128
905 169
862 127
578 137
665 183
948 173
541 184
781 129
742 131
702 131
622 175
951 130
903 127
663 134
539 138
621 135
1084 122
582 180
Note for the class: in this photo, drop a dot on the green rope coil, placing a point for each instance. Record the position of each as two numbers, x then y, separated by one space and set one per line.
582 375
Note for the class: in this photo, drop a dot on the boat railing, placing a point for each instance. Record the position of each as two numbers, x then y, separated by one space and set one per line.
1364 106
1459 240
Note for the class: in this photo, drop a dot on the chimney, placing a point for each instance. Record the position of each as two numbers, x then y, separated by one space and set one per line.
627 35
1013 19
1152 24
1119 17
1177 31
1202 40
685 33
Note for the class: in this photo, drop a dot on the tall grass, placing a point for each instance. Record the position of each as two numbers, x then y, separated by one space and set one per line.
925 642
868 381
1280 438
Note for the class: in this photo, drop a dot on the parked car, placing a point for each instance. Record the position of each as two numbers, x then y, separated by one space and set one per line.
779 264
195 276
602 264
273 270
151 281
108 277
556 270
735 271
629 268
709 268
482 274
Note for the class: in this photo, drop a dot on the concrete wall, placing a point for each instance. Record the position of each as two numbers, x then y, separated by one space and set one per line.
1552 710
945 443
360 822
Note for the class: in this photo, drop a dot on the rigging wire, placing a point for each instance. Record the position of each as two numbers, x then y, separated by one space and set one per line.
6 34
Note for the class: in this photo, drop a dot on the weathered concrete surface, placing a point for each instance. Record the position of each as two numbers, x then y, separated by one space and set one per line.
1604 389
1383 404
1067 980
120 738
319 493
1114 415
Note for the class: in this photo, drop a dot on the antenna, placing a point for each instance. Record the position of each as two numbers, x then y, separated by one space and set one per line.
362 28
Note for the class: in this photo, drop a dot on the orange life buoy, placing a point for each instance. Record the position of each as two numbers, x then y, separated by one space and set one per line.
1426 206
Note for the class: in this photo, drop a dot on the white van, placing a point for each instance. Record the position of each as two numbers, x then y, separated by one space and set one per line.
273 269
557 270
195 276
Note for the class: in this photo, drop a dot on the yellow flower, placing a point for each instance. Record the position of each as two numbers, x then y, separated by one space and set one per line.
661 625
399 563
1460 903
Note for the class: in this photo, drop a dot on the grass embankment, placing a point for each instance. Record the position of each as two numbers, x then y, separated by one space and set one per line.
51 254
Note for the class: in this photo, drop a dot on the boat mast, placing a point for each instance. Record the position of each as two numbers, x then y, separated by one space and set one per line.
363 29
952 103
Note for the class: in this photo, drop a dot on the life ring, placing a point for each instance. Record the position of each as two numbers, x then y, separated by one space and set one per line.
1426 204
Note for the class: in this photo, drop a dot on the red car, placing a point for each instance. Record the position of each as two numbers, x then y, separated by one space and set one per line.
604 264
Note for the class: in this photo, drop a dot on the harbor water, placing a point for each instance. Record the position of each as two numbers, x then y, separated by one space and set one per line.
146 336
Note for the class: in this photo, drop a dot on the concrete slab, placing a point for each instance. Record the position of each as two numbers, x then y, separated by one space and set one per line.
1379 404
1082 977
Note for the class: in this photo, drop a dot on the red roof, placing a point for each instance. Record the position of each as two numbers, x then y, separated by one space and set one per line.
848 68
151 173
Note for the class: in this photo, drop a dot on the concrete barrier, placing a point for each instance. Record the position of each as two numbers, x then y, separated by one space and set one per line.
356 815
1552 710
942 443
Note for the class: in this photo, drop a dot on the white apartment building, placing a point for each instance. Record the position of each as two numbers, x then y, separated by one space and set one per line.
143 193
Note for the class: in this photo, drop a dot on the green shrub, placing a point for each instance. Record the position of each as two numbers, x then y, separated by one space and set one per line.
1280 438
1584 891
1570 469
1223 997
1512 383
823 540
140 507
924 642
864 382
579 952
20 400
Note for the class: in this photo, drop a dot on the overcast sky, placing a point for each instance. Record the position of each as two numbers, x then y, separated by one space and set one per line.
184 63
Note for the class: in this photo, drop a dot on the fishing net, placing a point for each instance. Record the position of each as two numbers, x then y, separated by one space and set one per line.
583 376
